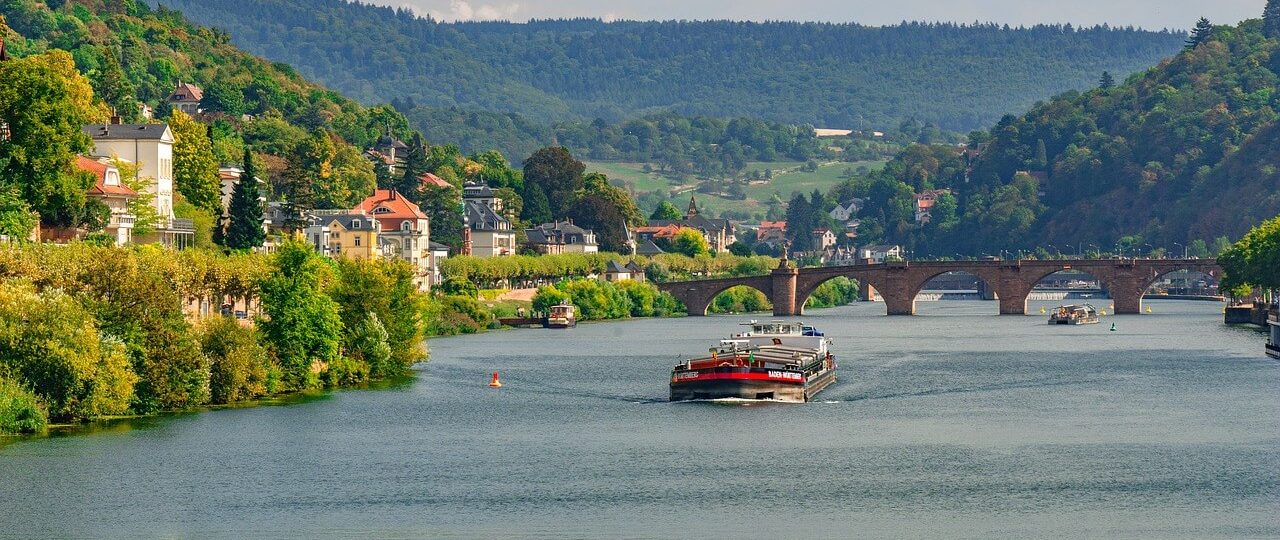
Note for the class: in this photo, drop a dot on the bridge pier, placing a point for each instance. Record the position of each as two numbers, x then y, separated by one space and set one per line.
784 291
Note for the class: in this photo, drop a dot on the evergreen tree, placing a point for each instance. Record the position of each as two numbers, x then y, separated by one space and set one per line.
1107 82
1042 156
1200 33
537 209
114 88
1271 19
245 228
416 164
220 231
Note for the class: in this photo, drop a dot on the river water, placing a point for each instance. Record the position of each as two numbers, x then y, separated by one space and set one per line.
954 423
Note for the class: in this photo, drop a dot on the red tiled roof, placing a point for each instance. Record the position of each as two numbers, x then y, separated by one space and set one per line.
782 225
429 179
186 92
659 231
99 171
399 207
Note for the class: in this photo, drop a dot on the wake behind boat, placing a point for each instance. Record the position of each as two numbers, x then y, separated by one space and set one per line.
777 360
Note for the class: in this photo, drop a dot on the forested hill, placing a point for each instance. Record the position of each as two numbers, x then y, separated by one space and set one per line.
958 77
1188 150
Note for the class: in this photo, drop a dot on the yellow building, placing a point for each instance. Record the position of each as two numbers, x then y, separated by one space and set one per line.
350 235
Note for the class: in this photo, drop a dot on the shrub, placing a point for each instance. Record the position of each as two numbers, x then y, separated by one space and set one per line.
238 363
20 409
369 345
836 292
344 371
452 315
457 286
51 343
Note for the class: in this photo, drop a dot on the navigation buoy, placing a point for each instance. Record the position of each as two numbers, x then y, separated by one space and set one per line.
1113 327
1042 310
1103 312
1148 310
495 383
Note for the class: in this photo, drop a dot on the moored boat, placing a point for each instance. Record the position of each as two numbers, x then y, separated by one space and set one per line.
779 361
561 316
1074 314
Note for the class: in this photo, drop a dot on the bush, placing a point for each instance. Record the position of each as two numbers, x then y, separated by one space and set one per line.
453 315
238 363
302 323
51 344
369 345
457 286
740 299
599 300
20 409
386 291
344 371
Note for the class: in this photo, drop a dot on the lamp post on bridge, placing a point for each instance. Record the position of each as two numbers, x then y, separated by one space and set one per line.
1150 249
1077 250
1097 249
1184 249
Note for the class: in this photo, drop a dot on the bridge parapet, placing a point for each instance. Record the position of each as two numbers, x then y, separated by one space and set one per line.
898 283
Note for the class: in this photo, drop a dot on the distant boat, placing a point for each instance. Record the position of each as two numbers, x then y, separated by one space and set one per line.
1074 314
561 316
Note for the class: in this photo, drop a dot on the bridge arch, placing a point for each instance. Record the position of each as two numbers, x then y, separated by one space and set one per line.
988 278
807 285
698 295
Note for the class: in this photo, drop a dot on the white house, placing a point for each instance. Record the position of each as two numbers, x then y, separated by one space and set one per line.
150 148
880 253
108 189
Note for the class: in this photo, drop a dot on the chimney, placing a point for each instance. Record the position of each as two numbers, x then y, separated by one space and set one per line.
115 117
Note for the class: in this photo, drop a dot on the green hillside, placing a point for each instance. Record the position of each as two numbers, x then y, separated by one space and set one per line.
959 77
1186 151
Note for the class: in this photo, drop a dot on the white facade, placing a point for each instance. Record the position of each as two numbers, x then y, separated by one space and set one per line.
153 156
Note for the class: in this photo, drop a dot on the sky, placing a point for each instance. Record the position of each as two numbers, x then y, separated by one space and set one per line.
1150 14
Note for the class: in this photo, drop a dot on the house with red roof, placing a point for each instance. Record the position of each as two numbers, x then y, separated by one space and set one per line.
108 188
405 231
186 97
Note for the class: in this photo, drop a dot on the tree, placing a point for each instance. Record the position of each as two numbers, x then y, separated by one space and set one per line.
443 205
195 170
1254 260
381 292
598 184
537 209
1271 19
559 175
244 230
45 103
113 87
302 323
238 363
1107 82
16 219
666 212
1200 33
224 97
416 164
142 206
690 242
602 215
352 179
310 163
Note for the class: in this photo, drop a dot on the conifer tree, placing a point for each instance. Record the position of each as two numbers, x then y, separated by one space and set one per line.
416 164
245 228
1271 19
1200 33
1107 82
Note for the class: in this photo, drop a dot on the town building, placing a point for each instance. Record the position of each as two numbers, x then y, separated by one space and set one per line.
648 248
561 237
718 232
345 233
186 97
924 203
653 233
637 273
879 253
847 210
388 151
108 188
439 252
405 229
614 272
490 234
150 148
773 233
823 239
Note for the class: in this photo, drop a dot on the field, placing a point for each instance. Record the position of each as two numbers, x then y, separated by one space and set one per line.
787 179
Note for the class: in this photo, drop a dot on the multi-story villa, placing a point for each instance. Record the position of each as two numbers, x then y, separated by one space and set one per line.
150 148
405 228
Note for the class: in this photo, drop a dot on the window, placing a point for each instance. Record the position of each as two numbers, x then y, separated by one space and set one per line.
355 224
357 241
406 225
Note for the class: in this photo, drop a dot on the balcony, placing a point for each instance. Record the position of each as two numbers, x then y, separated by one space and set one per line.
182 225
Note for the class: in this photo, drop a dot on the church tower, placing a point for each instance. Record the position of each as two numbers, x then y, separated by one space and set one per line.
693 208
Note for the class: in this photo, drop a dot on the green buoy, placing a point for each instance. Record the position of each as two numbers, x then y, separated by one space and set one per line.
1113 327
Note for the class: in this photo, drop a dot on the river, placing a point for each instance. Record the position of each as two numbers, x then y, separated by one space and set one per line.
954 423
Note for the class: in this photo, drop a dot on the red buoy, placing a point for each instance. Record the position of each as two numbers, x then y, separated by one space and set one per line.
495 383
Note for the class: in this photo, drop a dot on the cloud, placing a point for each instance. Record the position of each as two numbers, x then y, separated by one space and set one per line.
461 10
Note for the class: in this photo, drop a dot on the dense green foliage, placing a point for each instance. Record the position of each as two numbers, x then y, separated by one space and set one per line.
527 270
97 331
1253 261
600 300
1183 152
20 410
830 74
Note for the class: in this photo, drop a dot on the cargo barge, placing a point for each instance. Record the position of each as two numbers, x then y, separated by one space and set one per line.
1273 342
777 361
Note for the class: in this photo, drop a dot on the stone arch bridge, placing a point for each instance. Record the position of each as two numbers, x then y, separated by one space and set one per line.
899 282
